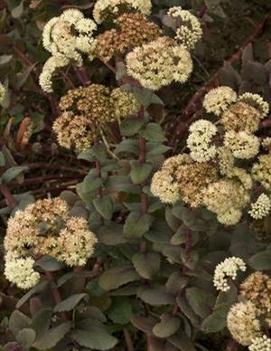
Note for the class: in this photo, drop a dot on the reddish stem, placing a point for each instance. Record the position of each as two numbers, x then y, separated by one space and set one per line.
10 200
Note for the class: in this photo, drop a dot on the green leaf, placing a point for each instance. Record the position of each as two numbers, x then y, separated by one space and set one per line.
122 183
49 264
17 11
147 264
120 312
145 324
216 321
70 303
104 205
26 337
111 235
131 126
156 297
136 225
176 283
116 277
97 339
199 300
153 132
41 321
261 261
140 171
12 173
18 321
146 96
167 326
53 336
4 59
35 290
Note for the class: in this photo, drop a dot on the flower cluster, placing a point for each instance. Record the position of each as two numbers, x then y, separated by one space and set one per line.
235 151
67 38
85 110
106 9
45 228
2 92
159 63
243 324
130 30
227 269
188 27
262 343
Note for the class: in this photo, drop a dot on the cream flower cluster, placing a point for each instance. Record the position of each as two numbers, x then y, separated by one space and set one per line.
189 30
159 63
227 269
243 324
219 99
2 92
67 38
20 271
104 9
260 208
261 343
222 146
45 228
200 136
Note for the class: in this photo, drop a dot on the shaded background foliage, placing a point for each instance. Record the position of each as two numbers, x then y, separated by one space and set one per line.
38 167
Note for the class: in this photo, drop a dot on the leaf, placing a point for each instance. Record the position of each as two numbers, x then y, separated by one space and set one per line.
140 172
41 321
156 297
26 337
136 225
52 337
167 326
97 339
176 283
12 173
216 321
5 59
17 11
111 234
35 290
131 126
116 277
18 321
122 183
199 301
49 264
144 324
261 261
104 206
70 303
120 312
153 132
147 264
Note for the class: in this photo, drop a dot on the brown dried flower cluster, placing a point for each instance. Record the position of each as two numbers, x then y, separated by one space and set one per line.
130 30
86 110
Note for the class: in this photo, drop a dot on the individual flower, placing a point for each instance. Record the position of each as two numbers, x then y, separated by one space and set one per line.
219 99
188 31
226 270
241 117
242 144
159 63
104 9
266 143
260 208
225 197
257 289
225 160
200 136
257 102
130 30
230 217
164 187
243 324
20 271
241 175
261 171
261 343
77 242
